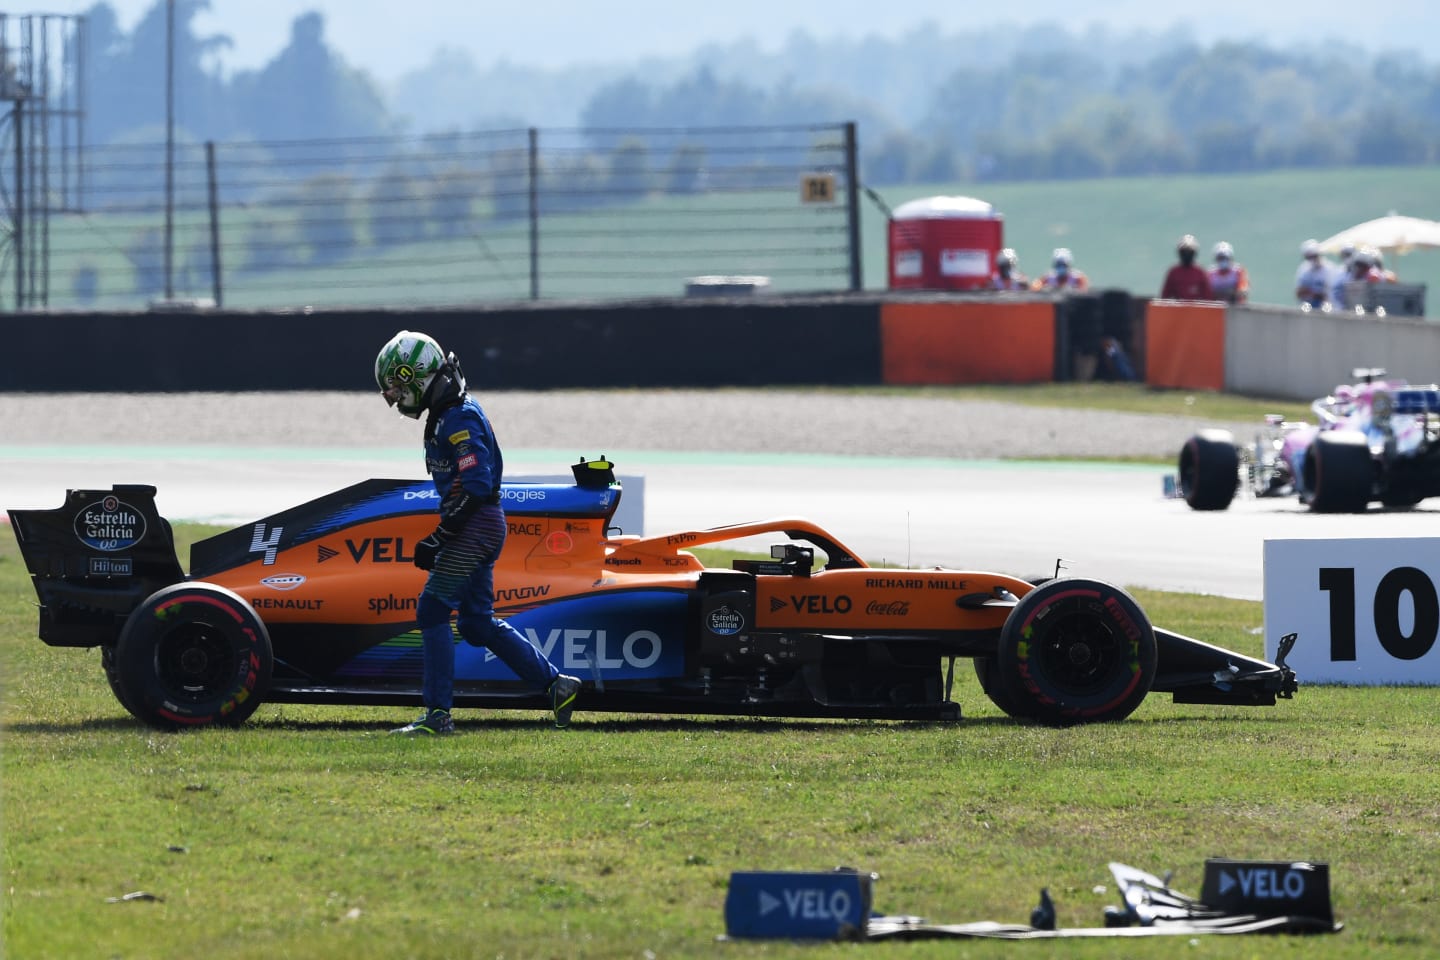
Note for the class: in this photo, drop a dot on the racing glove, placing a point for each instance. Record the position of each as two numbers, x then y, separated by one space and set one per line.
452 521
429 548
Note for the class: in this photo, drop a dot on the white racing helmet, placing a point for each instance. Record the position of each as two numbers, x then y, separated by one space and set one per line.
405 369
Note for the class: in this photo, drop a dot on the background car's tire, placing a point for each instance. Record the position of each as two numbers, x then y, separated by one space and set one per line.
1077 651
1209 470
1339 472
193 654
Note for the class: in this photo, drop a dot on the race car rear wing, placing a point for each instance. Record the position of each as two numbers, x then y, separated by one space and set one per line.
94 559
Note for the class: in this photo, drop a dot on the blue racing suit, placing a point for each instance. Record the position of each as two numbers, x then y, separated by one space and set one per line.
464 460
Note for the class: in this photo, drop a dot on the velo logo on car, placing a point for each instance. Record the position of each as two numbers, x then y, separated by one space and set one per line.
639 636
109 524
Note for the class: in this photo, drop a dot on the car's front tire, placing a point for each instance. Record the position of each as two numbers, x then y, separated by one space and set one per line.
1077 651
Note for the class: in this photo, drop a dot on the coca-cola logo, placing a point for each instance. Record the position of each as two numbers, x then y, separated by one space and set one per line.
888 608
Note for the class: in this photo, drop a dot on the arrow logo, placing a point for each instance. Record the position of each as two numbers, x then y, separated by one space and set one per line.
767 903
1227 883
325 553
777 604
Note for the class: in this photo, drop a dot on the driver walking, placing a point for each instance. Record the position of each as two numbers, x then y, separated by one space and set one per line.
463 458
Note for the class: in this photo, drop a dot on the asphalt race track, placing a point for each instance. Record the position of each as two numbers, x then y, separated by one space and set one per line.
1108 521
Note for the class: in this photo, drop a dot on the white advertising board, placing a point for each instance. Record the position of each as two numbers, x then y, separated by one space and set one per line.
909 263
964 263
1367 610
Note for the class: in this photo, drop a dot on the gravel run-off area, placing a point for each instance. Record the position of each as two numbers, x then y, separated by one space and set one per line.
596 421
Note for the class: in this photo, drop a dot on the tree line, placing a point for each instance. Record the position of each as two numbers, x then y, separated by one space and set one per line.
1037 104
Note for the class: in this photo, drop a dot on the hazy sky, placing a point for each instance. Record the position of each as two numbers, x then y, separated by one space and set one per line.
373 35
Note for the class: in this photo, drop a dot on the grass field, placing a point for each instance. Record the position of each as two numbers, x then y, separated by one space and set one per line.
1122 231
311 833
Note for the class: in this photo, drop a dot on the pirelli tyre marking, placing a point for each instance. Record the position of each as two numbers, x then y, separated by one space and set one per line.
1077 651
193 654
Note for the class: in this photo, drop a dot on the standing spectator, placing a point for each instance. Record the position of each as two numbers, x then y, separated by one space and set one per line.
1377 259
1228 280
1007 276
1363 268
1186 281
1313 277
1062 275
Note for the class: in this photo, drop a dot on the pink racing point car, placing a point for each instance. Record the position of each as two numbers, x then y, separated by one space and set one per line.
1375 439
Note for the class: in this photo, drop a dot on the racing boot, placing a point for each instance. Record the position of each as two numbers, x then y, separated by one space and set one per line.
563 691
434 722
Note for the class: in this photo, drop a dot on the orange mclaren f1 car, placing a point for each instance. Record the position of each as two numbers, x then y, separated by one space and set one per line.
316 604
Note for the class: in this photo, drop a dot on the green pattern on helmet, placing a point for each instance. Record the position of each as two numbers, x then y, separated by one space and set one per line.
404 369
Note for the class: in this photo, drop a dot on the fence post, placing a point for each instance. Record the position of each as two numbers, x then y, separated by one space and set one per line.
19 205
852 204
215 284
534 214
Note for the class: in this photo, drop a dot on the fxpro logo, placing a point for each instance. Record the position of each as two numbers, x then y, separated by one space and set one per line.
586 649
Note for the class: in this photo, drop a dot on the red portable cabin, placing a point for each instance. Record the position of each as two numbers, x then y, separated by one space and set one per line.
944 243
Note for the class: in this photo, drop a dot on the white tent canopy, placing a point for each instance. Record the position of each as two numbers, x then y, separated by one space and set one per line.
1392 234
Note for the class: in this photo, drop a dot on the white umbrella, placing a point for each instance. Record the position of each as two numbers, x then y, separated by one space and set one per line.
1392 234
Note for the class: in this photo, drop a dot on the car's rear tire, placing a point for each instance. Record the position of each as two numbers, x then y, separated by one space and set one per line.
1209 470
112 674
193 654
1339 472
1077 651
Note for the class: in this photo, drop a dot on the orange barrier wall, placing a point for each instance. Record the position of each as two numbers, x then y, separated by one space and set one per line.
967 342
1185 345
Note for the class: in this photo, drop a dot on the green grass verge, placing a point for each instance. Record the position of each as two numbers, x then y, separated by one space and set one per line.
311 833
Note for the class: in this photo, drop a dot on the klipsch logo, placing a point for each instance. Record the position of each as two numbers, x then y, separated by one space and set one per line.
109 524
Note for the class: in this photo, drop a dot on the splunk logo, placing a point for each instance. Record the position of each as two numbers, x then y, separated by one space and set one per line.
392 604
577 649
